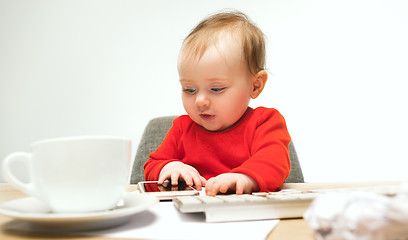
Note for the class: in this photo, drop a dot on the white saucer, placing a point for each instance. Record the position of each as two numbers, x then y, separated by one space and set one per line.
40 216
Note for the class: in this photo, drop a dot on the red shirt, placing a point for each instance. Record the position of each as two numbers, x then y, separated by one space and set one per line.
257 145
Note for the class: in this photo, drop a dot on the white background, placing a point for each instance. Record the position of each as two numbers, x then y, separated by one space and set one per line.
337 73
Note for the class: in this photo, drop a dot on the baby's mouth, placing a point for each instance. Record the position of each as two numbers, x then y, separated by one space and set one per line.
206 116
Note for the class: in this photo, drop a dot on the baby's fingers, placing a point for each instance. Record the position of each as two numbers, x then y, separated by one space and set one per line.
240 187
198 183
211 187
203 181
163 177
174 178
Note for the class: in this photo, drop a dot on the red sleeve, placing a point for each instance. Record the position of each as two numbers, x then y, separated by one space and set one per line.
269 163
165 153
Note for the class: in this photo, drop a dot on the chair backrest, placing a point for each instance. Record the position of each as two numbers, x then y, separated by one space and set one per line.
157 129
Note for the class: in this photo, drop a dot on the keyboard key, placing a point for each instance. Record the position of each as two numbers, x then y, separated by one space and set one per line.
210 199
189 200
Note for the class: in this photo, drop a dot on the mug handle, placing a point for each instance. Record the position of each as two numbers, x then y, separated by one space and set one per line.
28 188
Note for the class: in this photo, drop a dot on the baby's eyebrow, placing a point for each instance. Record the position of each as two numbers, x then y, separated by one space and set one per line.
185 80
212 80
219 80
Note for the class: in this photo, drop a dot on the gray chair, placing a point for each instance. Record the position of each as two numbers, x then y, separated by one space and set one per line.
157 129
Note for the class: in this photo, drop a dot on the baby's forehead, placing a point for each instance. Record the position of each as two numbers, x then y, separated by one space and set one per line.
226 45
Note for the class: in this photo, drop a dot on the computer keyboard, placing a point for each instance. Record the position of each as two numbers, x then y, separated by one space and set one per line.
261 206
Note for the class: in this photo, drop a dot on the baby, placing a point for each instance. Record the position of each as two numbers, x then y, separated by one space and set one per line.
222 143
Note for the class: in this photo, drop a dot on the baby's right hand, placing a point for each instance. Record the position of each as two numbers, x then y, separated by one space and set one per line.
177 170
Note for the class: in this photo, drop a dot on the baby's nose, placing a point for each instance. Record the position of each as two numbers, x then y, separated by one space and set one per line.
202 100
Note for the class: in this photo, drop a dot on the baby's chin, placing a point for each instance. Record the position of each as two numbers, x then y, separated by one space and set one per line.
216 128
210 123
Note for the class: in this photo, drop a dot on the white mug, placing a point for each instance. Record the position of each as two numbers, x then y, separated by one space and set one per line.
74 174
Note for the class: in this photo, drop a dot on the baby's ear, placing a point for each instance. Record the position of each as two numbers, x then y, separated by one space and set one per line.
258 83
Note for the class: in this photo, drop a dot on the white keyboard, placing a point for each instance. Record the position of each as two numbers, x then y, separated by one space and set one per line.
261 206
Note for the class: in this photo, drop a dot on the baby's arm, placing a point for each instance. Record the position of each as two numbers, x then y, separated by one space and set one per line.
238 182
177 170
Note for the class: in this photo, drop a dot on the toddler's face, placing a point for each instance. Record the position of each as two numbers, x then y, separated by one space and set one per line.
217 87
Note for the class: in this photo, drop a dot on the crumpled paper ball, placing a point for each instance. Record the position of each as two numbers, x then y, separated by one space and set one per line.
359 216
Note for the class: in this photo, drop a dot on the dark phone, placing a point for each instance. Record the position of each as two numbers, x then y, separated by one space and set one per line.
166 187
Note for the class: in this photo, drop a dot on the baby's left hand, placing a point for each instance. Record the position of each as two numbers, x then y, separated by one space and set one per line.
238 182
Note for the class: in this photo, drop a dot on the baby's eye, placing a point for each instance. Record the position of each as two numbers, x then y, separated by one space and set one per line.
217 90
189 90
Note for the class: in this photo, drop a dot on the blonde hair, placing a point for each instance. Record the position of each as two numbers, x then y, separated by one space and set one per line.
238 25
